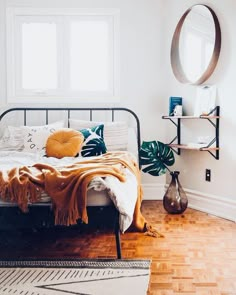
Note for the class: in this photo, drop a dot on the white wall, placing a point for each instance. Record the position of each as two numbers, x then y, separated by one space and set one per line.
141 40
192 164
3 54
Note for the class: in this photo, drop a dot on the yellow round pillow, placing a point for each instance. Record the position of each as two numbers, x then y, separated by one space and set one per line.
65 142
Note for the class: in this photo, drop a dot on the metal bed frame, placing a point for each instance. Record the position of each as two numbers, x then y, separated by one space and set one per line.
91 112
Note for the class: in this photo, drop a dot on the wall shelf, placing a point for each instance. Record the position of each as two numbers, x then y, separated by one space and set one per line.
212 147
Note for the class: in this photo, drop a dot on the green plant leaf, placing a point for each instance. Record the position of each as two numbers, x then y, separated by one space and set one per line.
156 156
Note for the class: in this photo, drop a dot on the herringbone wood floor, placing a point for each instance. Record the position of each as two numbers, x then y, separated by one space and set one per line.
196 256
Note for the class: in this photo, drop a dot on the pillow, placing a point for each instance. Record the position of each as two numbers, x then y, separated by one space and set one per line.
132 142
64 142
115 133
2 128
94 144
12 139
35 137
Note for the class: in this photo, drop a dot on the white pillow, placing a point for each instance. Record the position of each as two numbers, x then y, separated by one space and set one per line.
35 137
132 142
12 139
115 133
2 129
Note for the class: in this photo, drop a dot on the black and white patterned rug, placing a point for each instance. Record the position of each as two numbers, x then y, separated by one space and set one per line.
82 277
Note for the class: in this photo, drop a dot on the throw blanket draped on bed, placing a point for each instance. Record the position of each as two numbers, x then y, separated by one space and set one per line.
67 186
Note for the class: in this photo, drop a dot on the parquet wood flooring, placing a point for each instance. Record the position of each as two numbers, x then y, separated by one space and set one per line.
196 256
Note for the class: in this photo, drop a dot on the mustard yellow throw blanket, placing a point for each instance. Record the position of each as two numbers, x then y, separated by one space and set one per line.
67 186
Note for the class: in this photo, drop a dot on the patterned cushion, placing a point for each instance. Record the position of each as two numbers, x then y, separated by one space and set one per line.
94 144
35 137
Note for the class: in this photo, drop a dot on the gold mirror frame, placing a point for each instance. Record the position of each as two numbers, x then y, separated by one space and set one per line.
175 53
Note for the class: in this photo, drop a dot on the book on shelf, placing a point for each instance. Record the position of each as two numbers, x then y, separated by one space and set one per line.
173 102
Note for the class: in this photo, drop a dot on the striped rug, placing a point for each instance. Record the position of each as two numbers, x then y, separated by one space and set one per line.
83 277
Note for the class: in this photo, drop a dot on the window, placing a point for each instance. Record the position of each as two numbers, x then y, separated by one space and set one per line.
62 55
39 51
89 56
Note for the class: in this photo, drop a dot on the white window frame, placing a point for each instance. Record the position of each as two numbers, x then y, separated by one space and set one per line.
15 93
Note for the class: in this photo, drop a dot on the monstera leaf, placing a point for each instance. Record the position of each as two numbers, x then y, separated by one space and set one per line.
156 156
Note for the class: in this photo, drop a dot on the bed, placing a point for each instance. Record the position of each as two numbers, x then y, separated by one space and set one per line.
23 132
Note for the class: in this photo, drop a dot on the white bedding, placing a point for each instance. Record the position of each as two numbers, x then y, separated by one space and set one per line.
123 194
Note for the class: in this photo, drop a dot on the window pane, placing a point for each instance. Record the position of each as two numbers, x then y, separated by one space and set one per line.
89 55
39 56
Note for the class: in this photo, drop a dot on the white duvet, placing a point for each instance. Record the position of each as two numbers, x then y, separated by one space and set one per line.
123 194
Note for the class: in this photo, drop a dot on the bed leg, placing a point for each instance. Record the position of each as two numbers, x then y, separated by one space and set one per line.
117 234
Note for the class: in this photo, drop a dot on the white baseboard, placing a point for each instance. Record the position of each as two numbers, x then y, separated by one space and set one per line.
212 204
153 191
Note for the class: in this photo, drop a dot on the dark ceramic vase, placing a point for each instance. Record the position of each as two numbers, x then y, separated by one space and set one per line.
175 200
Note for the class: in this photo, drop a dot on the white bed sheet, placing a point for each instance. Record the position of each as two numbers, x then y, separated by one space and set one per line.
100 191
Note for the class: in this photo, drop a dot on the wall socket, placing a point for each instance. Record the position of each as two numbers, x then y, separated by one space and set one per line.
208 175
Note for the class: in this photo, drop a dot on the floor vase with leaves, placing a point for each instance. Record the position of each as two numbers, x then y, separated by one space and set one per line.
157 157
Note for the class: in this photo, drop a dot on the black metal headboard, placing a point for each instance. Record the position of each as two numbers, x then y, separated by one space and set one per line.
69 110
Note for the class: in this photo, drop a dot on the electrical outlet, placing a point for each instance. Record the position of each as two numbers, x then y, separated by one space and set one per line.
208 175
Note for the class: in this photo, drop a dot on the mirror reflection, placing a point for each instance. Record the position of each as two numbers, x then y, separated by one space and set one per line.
195 45
197 40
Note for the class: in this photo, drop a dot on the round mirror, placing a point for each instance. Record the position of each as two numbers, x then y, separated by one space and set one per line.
196 45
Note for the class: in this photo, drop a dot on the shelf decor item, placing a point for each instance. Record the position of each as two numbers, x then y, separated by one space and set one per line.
205 100
157 157
173 102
